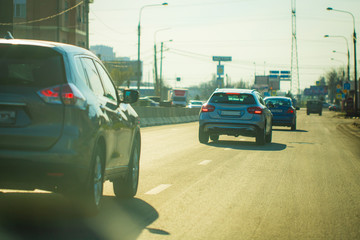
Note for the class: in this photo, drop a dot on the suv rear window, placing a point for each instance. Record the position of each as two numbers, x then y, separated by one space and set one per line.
179 99
233 98
314 103
32 66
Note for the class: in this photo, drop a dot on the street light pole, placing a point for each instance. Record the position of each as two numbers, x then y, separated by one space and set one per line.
348 64
348 52
139 29
355 62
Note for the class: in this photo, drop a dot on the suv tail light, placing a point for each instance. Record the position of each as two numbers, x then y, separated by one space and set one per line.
290 110
68 94
255 110
207 108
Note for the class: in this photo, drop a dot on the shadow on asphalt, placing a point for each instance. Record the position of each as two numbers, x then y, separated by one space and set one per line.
51 216
245 145
288 130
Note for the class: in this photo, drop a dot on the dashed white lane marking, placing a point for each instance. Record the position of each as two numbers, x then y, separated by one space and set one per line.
205 162
158 189
23 191
227 149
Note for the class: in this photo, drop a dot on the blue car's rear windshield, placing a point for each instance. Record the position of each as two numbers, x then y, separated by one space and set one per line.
278 102
232 98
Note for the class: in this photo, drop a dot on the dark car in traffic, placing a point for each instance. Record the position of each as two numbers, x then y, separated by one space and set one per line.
235 112
64 127
314 106
283 110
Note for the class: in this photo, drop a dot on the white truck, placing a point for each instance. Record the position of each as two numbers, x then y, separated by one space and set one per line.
178 97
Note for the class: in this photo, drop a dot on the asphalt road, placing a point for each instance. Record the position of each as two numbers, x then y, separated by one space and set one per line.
304 185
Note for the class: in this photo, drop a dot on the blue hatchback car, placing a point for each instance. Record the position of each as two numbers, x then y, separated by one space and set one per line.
283 110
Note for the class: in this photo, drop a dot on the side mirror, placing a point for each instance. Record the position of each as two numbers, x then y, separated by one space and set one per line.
129 96
297 108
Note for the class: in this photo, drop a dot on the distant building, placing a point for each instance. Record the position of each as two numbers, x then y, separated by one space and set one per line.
105 53
45 20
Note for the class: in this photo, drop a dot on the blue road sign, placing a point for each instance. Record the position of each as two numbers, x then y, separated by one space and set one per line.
273 76
347 86
222 58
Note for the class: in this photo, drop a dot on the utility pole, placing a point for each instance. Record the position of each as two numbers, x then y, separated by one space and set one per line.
157 90
161 60
87 23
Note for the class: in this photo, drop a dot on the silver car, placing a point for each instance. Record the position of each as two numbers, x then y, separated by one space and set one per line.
235 112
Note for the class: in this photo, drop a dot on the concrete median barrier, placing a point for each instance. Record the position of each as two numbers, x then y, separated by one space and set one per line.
153 116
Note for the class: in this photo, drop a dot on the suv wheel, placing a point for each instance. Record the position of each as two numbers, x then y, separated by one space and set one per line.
293 126
260 137
128 188
203 136
268 137
97 179
89 197
214 137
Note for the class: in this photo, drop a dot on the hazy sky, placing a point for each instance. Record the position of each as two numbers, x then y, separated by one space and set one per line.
256 33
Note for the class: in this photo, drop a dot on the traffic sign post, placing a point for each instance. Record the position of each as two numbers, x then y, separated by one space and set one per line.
220 68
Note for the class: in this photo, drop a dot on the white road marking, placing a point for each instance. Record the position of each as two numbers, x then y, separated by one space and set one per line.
158 189
205 162
227 149
23 191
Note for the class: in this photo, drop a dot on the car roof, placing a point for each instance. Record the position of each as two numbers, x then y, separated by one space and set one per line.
235 90
275 97
60 47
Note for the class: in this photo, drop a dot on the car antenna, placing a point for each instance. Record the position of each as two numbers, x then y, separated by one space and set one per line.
8 35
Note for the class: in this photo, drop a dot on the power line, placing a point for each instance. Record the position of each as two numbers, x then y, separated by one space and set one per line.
43 19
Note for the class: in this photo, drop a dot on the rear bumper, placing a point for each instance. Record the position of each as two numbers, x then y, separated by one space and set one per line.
231 129
64 166
314 110
283 120
42 170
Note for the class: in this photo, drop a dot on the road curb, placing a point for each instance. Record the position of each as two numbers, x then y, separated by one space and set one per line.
350 129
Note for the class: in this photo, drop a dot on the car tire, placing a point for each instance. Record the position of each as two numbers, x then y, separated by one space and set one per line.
320 113
89 196
203 136
260 136
214 137
293 126
127 188
92 196
268 137
307 113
